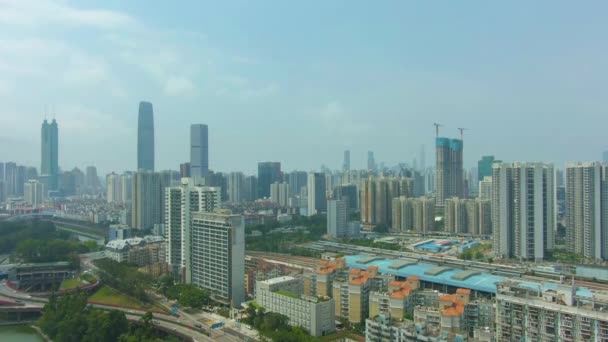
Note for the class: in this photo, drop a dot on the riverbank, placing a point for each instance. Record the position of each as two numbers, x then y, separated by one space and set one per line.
39 331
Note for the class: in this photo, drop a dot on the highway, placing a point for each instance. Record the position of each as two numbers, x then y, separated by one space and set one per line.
182 326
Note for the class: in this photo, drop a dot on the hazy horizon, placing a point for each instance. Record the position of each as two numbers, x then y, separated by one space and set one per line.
301 82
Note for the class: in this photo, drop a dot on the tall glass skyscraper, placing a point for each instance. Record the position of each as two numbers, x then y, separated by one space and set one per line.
49 152
199 151
145 137
268 173
449 173
484 167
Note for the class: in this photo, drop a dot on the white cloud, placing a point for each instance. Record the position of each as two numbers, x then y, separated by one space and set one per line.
39 13
179 86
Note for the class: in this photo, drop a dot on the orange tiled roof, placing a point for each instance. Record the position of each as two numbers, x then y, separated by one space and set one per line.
359 280
463 291
447 298
402 293
456 310
413 278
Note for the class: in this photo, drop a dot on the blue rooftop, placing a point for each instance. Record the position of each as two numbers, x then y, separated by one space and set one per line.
484 282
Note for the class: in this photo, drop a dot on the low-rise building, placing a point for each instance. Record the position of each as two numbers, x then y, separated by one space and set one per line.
140 251
284 295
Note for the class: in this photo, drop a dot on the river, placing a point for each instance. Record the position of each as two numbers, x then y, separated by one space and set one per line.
19 333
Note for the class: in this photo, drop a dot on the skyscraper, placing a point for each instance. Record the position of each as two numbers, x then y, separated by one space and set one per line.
605 157
297 180
147 192
268 173
199 151
371 162
10 174
20 177
484 167
218 255
180 202
250 189
145 137
236 183
91 179
523 210
449 172
317 198
587 210
49 153
337 218
1 171
346 166
184 170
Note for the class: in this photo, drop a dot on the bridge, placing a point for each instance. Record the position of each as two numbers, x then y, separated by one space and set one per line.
17 312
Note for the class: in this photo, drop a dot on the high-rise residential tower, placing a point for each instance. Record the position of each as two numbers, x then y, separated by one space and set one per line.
337 218
50 153
113 188
236 185
180 202
587 210
605 157
317 198
145 137
523 210
147 192
199 151
448 173
218 255
346 166
34 193
268 173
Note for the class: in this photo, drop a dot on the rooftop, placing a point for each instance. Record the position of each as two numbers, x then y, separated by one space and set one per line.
279 280
484 282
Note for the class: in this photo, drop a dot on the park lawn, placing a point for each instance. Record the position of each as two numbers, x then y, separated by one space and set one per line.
71 283
108 296
89 278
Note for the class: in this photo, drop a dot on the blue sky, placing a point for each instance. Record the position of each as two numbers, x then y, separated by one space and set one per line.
298 82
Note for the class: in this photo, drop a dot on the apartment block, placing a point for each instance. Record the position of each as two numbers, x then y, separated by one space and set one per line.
218 255
545 312
413 214
283 295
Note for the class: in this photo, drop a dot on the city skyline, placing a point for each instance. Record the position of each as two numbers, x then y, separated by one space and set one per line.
330 81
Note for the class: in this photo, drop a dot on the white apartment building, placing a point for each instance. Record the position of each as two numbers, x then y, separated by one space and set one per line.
587 210
180 202
217 255
34 193
284 295
523 210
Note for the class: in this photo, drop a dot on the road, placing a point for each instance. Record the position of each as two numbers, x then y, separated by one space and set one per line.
183 326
